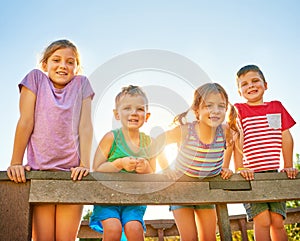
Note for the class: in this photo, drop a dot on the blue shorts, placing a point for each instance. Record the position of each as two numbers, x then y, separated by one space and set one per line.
203 206
253 209
124 213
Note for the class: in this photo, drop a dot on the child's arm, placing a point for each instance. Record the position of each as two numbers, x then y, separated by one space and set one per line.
85 141
230 139
247 173
226 172
100 163
175 135
162 161
287 153
171 136
144 166
23 131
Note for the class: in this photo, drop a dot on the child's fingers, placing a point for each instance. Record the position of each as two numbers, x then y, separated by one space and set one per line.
16 173
247 174
226 173
291 172
78 172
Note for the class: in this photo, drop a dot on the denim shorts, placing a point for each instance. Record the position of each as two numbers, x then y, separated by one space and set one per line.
253 209
203 206
124 213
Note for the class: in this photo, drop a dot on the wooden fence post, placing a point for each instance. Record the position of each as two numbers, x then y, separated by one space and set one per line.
15 211
223 222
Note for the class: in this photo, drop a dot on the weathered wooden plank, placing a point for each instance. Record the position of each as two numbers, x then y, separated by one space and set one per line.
15 212
157 193
124 189
229 185
47 175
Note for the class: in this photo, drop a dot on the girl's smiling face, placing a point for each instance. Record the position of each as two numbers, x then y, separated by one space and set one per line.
61 67
212 110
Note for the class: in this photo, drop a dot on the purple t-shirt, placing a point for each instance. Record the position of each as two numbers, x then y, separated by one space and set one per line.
54 142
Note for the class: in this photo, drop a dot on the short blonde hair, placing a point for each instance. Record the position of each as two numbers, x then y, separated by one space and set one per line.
131 90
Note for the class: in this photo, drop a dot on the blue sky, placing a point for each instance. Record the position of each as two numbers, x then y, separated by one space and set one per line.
220 36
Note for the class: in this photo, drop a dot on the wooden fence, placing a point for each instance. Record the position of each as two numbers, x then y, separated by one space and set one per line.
133 189
162 228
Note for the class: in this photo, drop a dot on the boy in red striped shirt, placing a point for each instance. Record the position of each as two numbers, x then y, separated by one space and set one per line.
265 127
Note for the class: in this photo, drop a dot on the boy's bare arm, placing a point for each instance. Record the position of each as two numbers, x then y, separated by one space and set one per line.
100 163
287 154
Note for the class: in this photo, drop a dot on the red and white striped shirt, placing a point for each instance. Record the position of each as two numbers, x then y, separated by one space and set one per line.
262 127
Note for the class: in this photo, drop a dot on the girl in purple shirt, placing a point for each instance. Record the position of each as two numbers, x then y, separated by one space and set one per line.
55 125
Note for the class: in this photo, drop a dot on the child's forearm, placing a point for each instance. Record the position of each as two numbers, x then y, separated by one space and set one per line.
107 167
146 170
85 139
22 135
287 148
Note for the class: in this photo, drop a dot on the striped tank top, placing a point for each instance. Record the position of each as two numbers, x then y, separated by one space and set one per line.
196 159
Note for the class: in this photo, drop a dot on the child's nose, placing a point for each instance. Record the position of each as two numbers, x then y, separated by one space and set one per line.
134 111
215 109
63 64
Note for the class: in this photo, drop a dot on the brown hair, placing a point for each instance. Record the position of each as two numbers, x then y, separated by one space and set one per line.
60 44
130 90
251 67
200 95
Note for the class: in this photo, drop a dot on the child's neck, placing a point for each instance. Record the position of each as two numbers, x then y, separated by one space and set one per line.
259 102
206 134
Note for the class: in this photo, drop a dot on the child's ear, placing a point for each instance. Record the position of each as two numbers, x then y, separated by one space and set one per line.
44 66
266 85
116 114
147 116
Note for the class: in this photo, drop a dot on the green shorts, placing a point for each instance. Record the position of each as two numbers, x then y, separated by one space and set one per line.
203 206
253 209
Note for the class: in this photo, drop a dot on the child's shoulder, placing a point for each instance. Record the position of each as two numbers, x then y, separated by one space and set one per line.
275 102
145 136
109 136
36 73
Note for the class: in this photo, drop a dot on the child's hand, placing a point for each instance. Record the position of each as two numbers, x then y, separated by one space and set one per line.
129 163
226 173
172 174
246 173
291 172
141 165
78 172
16 173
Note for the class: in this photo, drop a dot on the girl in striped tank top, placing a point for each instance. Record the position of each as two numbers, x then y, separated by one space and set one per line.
202 150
